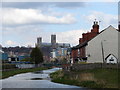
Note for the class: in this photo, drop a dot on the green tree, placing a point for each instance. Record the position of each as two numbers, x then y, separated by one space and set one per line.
36 55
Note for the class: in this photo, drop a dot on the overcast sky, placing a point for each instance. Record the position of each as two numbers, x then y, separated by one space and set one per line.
23 22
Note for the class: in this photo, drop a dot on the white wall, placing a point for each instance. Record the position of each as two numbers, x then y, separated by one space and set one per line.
109 39
53 54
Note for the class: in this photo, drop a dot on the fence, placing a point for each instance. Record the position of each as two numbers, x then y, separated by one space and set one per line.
78 67
7 66
25 65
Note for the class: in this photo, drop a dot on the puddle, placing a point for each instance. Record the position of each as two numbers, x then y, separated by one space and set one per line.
39 78
36 79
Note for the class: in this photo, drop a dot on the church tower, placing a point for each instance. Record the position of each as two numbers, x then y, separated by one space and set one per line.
39 41
53 40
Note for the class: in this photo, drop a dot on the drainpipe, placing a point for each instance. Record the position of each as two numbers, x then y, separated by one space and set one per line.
102 51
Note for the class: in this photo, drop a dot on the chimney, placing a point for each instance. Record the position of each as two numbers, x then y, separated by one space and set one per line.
95 27
80 40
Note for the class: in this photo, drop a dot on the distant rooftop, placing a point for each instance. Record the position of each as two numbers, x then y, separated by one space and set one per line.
59 44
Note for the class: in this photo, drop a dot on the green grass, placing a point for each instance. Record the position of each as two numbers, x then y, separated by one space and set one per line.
6 74
96 78
107 77
59 77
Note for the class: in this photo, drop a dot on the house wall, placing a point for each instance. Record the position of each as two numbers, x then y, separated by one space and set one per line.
87 36
82 52
108 39
74 54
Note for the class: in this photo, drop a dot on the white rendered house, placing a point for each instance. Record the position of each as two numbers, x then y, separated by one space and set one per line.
103 47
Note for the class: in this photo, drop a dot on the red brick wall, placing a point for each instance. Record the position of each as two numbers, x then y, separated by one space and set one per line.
82 52
74 54
85 37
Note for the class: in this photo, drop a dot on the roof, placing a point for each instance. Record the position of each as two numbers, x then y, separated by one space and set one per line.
110 55
80 45
86 43
60 44
104 30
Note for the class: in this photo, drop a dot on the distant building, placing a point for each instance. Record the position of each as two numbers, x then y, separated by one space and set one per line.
50 50
3 55
53 54
15 53
21 57
17 50
60 53
46 44
39 41
63 45
15 59
53 41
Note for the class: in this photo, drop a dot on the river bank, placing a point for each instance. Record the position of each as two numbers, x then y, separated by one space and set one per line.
95 78
6 74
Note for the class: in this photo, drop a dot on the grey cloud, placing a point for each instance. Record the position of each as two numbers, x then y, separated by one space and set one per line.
23 5
70 4
43 4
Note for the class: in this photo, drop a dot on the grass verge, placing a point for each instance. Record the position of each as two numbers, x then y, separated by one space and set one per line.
96 78
6 74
